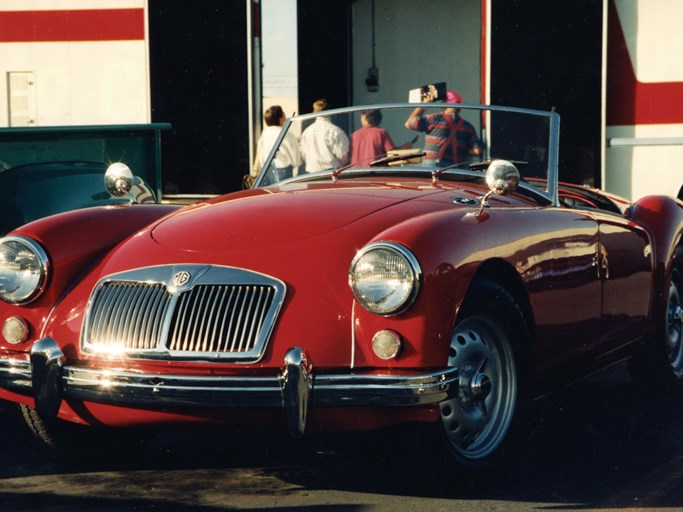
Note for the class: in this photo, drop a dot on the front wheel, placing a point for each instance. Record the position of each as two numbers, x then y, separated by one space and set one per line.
483 421
69 443
478 419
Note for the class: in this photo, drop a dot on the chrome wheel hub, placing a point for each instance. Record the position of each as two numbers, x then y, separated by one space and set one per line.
474 386
677 314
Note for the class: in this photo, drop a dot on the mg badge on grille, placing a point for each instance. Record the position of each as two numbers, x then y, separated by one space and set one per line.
180 278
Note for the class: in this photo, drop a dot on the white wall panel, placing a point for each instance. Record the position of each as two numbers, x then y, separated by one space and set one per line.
80 82
51 5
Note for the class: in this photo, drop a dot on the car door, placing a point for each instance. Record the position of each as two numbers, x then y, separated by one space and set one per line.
565 290
626 272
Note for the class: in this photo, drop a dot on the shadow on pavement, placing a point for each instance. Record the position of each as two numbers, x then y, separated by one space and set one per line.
598 444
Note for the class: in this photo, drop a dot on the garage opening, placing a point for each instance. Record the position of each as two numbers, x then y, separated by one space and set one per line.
548 55
198 69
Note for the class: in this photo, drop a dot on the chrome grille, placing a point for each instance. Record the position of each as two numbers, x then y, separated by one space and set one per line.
218 312
128 315
219 318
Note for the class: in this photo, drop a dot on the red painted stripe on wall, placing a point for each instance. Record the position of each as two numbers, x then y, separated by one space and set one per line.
76 25
630 102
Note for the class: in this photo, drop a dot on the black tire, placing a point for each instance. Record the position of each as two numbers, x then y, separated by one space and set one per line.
483 424
661 366
69 443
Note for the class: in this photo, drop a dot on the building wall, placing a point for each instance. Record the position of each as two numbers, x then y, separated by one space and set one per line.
279 55
644 88
416 43
73 62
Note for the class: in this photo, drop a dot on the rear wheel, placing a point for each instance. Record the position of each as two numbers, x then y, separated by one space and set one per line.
663 364
70 443
674 326
487 416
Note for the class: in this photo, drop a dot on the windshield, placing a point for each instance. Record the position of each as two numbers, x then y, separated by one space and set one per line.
440 139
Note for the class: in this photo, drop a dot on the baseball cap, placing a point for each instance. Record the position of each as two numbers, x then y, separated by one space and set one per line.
453 97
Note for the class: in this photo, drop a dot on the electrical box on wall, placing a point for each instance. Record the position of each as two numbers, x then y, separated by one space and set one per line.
372 81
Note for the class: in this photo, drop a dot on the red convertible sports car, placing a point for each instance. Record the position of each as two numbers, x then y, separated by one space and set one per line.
397 288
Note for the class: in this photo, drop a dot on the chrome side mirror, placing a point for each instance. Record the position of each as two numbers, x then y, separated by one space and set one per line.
502 178
118 179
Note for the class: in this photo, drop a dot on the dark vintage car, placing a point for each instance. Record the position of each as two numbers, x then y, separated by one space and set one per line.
48 170
389 290
32 191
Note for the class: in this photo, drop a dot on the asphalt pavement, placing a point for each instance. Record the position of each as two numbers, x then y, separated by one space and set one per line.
599 445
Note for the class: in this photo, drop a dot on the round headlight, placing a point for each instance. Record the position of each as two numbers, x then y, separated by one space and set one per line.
385 277
23 269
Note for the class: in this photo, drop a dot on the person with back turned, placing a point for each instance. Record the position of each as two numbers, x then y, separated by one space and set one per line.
288 156
449 139
323 144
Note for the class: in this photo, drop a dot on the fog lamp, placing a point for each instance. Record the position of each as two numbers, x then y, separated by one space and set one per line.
386 344
15 330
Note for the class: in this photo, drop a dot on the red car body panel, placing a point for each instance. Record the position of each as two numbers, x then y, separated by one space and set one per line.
590 283
555 256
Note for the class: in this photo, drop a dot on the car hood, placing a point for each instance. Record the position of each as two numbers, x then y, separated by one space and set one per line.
268 218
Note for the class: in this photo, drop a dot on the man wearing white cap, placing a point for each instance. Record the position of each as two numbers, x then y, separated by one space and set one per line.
449 139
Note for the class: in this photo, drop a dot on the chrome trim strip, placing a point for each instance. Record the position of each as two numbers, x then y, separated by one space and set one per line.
114 387
102 385
15 374
615 142
554 159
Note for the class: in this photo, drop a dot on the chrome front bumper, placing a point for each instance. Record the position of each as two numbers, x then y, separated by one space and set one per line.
293 389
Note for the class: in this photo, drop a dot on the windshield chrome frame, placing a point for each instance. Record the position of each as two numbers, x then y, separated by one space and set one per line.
553 142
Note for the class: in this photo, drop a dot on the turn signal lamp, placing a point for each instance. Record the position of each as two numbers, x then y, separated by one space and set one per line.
386 344
15 330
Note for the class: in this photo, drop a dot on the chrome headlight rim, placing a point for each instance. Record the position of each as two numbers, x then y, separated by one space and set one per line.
43 262
412 264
